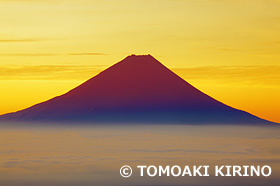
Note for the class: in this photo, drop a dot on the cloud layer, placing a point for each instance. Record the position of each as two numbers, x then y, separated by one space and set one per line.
264 75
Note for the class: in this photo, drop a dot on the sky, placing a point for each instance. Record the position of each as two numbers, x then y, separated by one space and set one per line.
229 49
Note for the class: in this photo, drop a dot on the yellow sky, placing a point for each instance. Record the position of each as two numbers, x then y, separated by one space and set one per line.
230 49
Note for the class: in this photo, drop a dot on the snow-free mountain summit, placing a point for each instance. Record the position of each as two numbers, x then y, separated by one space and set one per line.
138 89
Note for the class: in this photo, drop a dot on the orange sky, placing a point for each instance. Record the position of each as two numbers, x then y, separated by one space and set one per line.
227 48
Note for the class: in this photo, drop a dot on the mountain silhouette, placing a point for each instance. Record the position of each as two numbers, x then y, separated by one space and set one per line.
138 89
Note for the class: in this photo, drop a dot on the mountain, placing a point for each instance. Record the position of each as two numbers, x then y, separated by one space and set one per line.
138 89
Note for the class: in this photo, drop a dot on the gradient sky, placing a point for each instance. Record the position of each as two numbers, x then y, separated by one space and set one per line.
230 49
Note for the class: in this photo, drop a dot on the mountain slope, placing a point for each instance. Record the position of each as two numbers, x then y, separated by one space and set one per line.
138 89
